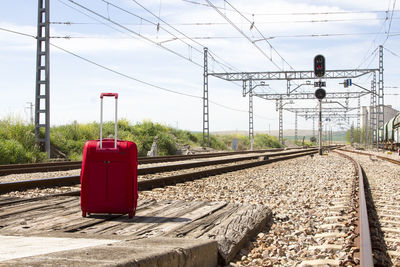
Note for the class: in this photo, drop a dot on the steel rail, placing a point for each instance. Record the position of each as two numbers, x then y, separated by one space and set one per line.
368 154
157 182
166 168
171 180
366 258
71 165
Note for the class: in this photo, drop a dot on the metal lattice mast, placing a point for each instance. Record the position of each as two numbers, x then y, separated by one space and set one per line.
366 133
295 127
206 129
280 107
352 135
381 107
372 113
313 126
42 95
251 125
358 113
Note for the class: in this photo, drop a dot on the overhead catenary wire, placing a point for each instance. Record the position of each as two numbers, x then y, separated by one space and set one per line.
91 17
393 53
147 83
16 32
373 43
108 19
212 55
182 33
255 27
312 35
220 62
241 32
238 23
151 22
291 13
129 76
390 22
137 34
185 37
125 75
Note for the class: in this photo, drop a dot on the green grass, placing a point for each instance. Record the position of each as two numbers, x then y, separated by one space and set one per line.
18 144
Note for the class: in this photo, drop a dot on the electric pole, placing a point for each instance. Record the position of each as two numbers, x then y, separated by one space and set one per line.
42 95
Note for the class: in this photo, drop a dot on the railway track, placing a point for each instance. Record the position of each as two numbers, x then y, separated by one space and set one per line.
342 238
336 236
383 206
229 165
363 241
71 165
371 155
367 215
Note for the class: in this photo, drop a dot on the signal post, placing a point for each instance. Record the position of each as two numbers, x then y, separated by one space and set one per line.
319 71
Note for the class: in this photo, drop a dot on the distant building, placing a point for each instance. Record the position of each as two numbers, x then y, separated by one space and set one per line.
389 113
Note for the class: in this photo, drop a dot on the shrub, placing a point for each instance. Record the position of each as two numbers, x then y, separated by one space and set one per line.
11 151
18 142
266 141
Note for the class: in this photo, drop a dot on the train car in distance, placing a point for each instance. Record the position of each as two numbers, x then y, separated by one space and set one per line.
391 133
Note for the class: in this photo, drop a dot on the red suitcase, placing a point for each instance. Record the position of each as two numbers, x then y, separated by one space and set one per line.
109 173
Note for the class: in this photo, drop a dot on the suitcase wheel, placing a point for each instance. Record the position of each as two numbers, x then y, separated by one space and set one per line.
83 213
131 215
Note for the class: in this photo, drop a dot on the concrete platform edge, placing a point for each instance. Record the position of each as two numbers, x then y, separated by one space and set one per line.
163 252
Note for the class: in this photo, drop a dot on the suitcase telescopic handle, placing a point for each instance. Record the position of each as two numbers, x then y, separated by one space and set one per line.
101 118
109 94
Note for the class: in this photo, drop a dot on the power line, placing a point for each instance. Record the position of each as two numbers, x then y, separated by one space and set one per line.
175 37
241 32
292 13
16 32
125 75
238 23
391 52
159 43
253 25
144 82
137 34
238 110
211 54
166 23
373 53
128 76
313 35
390 22
91 17
152 23
180 32
373 43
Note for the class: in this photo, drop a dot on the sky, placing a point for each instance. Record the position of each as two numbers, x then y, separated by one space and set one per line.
151 53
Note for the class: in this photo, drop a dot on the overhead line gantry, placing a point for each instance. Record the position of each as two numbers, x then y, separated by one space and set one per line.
250 80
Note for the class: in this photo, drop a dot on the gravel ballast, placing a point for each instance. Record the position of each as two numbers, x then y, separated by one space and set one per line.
300 192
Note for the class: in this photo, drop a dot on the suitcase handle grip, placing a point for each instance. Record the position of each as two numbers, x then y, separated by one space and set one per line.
101 118
109 94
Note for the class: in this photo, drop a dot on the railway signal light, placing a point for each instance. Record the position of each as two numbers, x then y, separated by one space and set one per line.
319 65
320 93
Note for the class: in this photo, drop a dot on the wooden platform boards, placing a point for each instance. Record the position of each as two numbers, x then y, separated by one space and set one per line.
231 225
